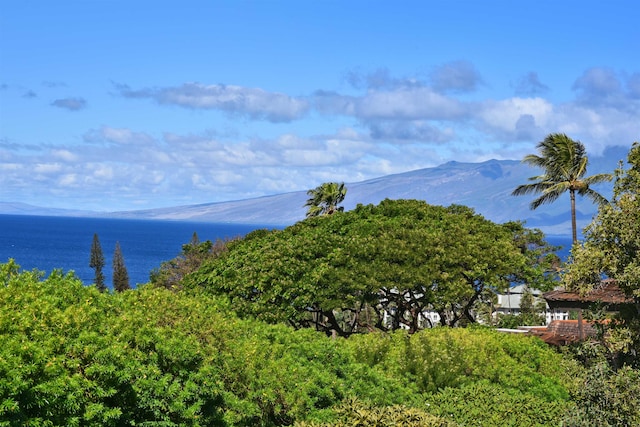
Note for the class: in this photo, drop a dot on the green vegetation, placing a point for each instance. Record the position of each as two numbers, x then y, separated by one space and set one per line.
120 274
71 355
170 273
564 162
341 273
325 199
96 261
612 249
210 342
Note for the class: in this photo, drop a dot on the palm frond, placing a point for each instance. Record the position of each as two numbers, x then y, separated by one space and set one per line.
594 196
598 179
546 198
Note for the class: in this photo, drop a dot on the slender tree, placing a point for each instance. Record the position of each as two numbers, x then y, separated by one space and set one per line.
120 274
564 164
96 262
325 199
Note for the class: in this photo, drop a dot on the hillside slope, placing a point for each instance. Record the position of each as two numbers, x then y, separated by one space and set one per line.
485 186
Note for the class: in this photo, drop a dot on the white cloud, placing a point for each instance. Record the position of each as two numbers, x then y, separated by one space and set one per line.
531 85
508 116
103 172
388 125
47 168
409 104
254 103
68 180
64 155
118 136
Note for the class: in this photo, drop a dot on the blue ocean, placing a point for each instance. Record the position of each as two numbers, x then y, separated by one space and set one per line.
48 243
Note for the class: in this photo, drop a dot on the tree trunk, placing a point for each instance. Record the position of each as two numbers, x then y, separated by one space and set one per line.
574 227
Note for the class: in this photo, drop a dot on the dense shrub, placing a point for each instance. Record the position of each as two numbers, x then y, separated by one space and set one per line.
71 356
437 358
483 404
354 413
607 398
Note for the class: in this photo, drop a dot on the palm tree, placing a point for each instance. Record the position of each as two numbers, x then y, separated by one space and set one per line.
564 162
325 199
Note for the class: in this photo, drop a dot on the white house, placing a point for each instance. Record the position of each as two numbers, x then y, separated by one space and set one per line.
509 303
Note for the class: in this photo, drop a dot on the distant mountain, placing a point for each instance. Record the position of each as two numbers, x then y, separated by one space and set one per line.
8 208
485 186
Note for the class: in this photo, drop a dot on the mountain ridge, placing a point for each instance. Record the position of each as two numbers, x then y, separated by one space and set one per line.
485 186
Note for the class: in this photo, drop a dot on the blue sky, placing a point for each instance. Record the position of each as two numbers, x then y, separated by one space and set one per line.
120 105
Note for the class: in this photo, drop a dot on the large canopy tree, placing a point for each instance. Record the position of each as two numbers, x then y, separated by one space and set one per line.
325 198
564 164
612 249
375 267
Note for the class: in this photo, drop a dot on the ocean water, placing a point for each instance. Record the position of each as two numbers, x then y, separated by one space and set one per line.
48 243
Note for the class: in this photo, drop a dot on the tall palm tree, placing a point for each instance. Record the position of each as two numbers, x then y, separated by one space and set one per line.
564 162
325 199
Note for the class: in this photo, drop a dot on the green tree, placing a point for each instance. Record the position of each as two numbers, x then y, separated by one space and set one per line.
612 249
170 273
325 199
96 262
564 164
120 274
375 267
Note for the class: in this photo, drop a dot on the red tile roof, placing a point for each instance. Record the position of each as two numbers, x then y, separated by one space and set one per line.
607 292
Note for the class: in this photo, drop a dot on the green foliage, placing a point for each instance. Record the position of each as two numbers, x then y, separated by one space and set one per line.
607 399
438 358
71 355
96 261
564 164
325 199
612 240
354 413
342 272
120 274
612 249
487 405
170 273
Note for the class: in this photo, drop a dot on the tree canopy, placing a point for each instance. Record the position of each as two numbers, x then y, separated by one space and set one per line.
564 164
612 240
325 199
612 249
375 267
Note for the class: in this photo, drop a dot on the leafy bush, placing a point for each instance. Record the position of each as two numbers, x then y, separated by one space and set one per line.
487 405
434 359
607 398
354 413
71 355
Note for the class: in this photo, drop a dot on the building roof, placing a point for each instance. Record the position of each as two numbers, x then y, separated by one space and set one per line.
563 332
607 292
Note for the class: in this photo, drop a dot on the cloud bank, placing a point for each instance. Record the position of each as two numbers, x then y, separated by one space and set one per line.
378 125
